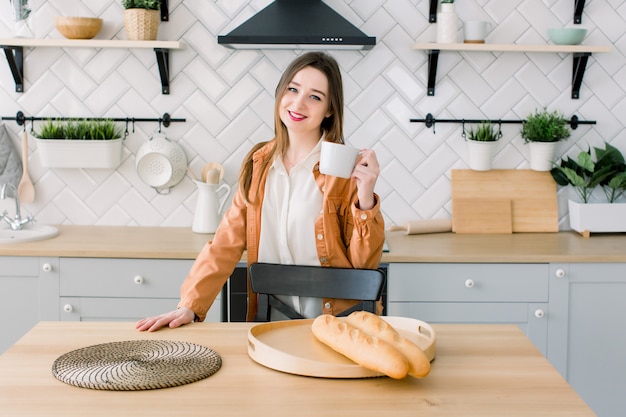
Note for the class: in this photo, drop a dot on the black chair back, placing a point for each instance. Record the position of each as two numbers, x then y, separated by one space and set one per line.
269 280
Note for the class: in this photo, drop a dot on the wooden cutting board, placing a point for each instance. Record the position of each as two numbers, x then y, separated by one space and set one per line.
290 346
504 201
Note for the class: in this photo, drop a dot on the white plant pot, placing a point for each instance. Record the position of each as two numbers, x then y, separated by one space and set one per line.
480 154
542 155
597 217
447 24
62 153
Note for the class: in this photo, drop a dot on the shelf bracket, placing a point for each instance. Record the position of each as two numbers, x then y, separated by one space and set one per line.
432 13
579 5
433 59
578 71
165 11
15 58
163 61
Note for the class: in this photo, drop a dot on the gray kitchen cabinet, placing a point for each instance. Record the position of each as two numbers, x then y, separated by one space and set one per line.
19 297
472 293
104 289
587 332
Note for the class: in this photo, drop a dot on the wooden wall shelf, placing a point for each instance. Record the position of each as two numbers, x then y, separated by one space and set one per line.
14 51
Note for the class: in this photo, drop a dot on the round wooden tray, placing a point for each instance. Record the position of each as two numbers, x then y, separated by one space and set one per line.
290 346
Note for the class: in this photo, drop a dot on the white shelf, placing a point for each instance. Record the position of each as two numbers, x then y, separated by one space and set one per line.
580 53
13 49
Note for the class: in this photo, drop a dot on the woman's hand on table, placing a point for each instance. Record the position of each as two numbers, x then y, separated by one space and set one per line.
173 319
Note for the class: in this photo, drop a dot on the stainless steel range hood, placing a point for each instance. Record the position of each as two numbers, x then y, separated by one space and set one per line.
297 24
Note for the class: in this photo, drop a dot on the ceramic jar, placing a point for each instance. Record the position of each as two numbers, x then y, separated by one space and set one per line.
447 24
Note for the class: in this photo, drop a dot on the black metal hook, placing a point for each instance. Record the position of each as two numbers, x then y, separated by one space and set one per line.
463 134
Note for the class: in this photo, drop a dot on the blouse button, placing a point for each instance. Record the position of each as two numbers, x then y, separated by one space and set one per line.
326 305
323 260
320 237
363 216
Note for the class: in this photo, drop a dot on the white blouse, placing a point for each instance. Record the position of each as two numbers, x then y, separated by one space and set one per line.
291 204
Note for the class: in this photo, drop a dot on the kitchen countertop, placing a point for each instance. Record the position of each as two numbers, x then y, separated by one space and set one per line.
479 370
182 243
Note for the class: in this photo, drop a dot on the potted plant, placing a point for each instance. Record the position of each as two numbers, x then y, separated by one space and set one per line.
141 19
79 143
585 175
481 143
543 130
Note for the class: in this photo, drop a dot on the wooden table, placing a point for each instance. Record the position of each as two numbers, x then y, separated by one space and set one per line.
480 370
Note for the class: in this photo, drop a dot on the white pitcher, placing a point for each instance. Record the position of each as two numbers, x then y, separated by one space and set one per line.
209 206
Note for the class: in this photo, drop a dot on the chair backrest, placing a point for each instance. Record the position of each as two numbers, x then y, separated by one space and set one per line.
269 280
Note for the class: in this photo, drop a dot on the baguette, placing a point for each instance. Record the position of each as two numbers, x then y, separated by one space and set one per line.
369 352
373 325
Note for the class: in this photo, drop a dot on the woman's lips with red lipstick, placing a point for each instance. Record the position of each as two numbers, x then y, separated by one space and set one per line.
296 116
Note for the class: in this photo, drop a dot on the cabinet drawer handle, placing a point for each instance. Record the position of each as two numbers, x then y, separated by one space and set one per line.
539 313
138 279
469 283
46 267
68 308
560 273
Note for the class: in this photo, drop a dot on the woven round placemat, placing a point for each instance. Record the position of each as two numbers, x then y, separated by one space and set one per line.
136 365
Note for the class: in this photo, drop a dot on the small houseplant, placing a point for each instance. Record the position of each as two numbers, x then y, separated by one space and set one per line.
585 175
542 130
79 143
481 142
141 19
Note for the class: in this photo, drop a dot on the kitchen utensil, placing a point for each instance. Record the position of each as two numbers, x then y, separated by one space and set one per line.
532 195
424 226
161 163
73 27
208 175
290 346
209 206
25 188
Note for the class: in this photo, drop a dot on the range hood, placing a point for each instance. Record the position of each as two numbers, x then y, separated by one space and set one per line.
297 24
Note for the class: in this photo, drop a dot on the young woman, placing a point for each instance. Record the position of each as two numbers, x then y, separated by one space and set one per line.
285 210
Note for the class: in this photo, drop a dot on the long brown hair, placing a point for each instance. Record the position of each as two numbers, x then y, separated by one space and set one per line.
332 125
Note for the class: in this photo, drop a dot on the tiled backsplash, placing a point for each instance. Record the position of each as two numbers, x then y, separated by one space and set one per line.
226 97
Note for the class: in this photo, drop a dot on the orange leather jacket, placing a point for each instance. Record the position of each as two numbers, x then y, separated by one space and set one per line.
347 237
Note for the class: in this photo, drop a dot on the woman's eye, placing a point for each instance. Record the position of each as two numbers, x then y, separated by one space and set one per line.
292 89
316 98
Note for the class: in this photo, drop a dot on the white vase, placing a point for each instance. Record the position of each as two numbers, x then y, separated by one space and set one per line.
447 24
209 206
542 155
480 154
22 19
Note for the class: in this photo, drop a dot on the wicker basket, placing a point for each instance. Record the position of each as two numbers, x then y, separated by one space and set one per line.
141 24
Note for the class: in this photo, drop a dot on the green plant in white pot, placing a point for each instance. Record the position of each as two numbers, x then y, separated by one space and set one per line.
585 175
543 130
79 143
481 142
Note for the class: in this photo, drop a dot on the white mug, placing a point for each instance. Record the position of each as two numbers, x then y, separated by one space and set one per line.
337 159
474 31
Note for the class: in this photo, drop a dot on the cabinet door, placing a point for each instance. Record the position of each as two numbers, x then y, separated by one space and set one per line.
472 293
587 332
19 297
122 289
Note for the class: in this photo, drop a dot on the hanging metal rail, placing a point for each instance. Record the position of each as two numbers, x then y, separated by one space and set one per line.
430 121
164 120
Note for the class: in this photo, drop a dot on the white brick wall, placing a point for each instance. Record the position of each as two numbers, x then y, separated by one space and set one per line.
227 98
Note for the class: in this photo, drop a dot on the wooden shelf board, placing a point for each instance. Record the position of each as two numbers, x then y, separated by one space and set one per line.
491 47
89 43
